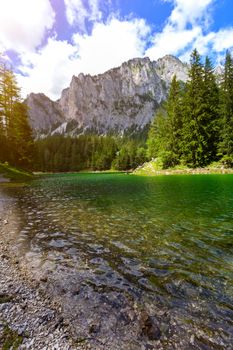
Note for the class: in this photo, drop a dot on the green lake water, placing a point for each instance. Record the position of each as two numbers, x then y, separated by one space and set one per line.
165 239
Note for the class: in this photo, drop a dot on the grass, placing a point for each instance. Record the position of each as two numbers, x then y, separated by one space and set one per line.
10 339
14 174
154 167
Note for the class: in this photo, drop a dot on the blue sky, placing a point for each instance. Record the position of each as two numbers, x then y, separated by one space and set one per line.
48 41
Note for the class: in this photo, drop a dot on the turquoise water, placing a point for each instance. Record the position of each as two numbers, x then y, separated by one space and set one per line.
166 239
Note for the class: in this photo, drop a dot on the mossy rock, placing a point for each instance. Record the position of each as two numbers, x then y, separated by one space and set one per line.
4 298
10 339
14 174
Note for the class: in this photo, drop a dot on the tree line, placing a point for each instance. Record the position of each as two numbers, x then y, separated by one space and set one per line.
194 127
16 139
88 152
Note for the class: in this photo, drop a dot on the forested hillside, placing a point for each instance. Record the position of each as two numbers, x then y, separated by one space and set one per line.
89 152
194 127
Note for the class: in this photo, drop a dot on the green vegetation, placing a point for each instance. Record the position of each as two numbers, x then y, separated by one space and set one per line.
156 167
14 174
89 152
10 339
16 141
194 127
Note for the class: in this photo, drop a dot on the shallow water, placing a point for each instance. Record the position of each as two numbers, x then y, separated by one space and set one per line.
167 241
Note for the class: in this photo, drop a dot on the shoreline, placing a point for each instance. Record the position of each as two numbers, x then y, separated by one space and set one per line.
68 306
148 170
45 311
33 317
29 318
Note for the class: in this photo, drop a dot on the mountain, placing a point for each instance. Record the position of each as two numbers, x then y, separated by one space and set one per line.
44 114
120 100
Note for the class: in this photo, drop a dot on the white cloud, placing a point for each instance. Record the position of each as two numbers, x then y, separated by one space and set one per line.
223 39
189 11
111 44
80 11
171 41
48 70
183 28
51 69
23 23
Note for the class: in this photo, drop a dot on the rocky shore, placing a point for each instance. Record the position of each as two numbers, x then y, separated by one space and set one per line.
31 318
38 311
152 169
28 318
66 306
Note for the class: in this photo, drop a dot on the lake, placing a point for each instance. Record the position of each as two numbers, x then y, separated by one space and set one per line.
115 245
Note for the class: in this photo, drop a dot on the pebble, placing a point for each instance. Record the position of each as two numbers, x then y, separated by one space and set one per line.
28 312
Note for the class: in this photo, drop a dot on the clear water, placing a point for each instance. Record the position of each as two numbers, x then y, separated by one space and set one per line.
167 239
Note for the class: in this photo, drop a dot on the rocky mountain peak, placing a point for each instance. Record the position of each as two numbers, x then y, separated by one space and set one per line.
44 114
168 66
123 98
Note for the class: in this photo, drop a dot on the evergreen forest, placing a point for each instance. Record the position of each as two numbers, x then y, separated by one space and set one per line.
193 128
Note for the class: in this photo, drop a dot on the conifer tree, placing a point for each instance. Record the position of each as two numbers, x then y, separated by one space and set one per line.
194 141
174 123
156 142
226 111
21 138
210 123
166 130
16 141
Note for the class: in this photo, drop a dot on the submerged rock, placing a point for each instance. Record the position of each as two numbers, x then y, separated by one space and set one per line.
150 327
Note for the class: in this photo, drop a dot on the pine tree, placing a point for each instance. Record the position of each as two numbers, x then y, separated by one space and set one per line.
194 141
210 123
16 141
10 94
226 111
174 123
156 142
21 138
166 130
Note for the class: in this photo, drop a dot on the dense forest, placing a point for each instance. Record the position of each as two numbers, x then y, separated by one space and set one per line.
16 139
194 127
92 152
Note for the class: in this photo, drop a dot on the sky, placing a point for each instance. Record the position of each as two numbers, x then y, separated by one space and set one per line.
46 42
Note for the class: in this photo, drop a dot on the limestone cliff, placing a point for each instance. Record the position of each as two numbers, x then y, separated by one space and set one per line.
45 115
121 99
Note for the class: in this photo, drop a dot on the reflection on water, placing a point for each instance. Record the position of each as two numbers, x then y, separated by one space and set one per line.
166 240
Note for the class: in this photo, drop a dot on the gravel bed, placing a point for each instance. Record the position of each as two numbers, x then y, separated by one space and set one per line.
28 318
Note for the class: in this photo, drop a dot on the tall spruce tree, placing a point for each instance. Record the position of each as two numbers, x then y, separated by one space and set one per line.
194 141
156 142
174 123
211 120
226 111
164 139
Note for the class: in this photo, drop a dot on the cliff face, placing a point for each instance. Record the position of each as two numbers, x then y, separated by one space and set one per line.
44 114
123 98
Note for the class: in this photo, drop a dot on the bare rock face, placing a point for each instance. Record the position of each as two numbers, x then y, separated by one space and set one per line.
168 66
44 114
121 99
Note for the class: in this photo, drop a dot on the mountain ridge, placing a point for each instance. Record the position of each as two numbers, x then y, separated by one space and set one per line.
122 98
